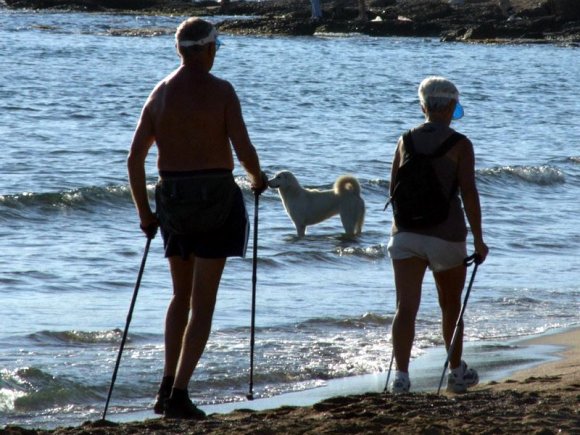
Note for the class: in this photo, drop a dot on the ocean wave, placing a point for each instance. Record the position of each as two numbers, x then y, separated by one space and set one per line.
83 198
544 175
341 324
374 252
327 247
305 257
360 322
80 198
141 32
31 389
74 337
519 301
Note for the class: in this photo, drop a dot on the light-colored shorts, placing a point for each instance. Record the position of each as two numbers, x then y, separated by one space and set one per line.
440 254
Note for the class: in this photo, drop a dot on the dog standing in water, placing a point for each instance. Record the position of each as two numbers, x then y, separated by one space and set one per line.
309 206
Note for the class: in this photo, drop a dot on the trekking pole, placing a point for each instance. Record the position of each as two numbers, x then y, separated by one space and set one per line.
386 390
392 355
129 315
472 259
250 395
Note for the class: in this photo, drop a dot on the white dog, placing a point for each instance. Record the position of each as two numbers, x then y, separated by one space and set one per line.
308 206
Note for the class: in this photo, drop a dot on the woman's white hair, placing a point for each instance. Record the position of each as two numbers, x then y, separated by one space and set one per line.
436 92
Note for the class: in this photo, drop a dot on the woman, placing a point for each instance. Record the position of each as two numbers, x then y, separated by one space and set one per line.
439 246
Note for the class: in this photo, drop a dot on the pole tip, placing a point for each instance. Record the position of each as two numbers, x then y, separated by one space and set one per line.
250 396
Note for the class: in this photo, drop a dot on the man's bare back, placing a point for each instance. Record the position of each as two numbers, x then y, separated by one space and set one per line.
188 111
192 117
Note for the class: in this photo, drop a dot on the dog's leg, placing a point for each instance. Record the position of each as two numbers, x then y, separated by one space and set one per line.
348 217
361 217
300 230
352 216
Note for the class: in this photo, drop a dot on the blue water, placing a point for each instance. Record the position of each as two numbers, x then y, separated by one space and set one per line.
71 91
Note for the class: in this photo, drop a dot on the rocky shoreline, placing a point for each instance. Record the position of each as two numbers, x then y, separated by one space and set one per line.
513 21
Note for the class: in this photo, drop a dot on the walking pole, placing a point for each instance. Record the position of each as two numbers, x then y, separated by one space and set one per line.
386 390
129 315
250 395
392 357
473 259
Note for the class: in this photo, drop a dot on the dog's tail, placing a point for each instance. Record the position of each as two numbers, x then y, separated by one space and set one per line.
347 184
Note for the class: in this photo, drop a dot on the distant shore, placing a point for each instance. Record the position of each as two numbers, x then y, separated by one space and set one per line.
482 21
542 399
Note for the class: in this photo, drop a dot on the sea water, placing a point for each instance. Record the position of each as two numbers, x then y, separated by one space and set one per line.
71 89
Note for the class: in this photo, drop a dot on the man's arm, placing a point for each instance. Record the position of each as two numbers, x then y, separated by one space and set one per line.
238 134
143 139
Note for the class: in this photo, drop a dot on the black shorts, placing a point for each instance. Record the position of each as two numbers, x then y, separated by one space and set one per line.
228 240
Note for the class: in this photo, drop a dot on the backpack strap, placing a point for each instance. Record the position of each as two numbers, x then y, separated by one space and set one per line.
440 151
408 143
447 144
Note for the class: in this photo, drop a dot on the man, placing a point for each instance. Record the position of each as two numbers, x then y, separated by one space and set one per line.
362 11
193 117
316 9
439 246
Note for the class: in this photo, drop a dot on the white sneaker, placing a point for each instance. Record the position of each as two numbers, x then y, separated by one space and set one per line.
401 384
468 377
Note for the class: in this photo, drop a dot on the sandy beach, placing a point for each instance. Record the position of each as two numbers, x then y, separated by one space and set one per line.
544 399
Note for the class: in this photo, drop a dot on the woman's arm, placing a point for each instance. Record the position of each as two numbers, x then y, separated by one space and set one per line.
470 196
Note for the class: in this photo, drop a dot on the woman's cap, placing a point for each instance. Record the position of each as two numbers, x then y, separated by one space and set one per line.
458 112
436 92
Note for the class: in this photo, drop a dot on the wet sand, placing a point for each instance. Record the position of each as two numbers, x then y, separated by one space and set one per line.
543 399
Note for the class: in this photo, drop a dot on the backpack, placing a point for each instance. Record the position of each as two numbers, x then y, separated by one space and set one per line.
419 200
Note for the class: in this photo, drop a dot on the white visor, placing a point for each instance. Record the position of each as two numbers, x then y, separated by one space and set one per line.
209 38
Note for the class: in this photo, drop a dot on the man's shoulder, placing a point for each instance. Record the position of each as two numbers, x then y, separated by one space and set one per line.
162 84
221 83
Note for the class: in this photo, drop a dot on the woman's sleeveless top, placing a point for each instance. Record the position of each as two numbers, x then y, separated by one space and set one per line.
427 137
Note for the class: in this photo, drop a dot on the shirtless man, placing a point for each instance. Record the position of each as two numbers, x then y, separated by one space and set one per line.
192 117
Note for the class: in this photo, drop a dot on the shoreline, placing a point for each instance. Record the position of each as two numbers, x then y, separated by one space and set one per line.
471 21
540 391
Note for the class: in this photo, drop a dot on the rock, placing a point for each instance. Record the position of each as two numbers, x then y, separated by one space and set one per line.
382 3
567 9
472 20
425 10
269 25
483 31
88 5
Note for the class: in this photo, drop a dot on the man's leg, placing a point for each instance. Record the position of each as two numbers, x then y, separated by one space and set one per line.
207 274
409 275
178 311
175 323
316 9
362 10
449 288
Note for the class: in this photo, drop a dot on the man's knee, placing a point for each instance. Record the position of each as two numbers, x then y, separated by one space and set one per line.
406 313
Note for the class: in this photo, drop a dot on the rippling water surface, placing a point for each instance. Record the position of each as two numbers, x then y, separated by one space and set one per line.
70 94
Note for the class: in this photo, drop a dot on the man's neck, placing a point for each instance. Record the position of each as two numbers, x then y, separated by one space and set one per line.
197 65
